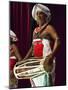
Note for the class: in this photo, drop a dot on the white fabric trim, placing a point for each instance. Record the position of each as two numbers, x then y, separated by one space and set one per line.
12 57
47 49
36 40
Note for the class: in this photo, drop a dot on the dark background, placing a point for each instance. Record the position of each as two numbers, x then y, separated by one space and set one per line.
22 23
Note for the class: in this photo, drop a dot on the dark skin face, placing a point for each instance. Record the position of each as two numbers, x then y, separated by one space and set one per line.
41 18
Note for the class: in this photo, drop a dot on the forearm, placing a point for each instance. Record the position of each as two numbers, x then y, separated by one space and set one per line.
56 46
29 53
17 54
15 51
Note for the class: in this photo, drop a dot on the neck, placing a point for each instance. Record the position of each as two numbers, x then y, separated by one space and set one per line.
43 25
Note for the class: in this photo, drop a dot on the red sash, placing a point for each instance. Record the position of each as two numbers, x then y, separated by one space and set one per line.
38 48
12 62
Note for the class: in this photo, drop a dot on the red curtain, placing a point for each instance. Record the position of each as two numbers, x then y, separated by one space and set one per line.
20 24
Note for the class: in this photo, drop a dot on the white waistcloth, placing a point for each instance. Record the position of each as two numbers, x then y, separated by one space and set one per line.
44 78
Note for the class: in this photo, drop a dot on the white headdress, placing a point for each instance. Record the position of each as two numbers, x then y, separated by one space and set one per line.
13 36
42 8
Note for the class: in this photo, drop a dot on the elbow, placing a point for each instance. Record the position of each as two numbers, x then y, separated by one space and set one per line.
58 43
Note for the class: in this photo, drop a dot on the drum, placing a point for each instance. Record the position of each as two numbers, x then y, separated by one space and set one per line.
29 68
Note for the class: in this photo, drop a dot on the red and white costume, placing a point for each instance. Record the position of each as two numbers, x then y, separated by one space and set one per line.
41 49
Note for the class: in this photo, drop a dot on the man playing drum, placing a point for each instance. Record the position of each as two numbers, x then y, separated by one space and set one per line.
44 46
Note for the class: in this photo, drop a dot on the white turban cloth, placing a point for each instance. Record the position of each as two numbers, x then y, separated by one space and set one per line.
13 36
42 8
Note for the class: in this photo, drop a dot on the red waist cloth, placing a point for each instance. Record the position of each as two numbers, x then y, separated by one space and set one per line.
38 49
12 62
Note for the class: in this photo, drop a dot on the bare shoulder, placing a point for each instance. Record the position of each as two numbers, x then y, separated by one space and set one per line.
52 31
50 28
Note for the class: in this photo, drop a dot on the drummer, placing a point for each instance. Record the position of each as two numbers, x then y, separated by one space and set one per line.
14 57
45 44
43 36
